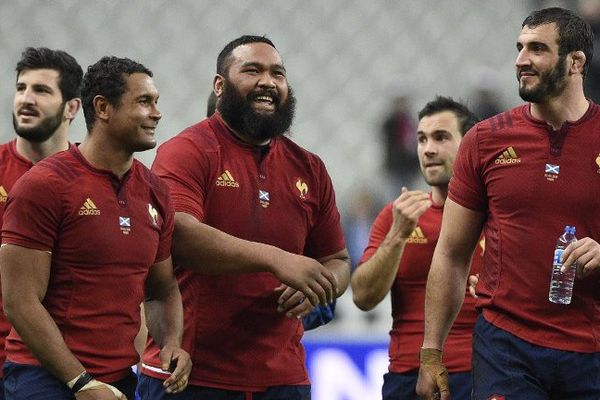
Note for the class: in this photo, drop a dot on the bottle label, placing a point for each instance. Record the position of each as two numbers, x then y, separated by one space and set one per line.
558 255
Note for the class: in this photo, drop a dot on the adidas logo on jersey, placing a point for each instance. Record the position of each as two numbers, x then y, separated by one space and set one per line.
508 156
3 194
227 180
417 236
89 208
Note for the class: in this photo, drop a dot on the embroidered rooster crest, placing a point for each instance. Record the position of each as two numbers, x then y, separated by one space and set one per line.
302 188
153 214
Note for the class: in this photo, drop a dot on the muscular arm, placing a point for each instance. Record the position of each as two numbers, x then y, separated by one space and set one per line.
445 293
140 339
164 318
162 305
208 250
450 266
339 265
25 275
373 279
291 302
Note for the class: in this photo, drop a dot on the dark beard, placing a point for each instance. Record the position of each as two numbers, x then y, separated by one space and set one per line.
241 117
551 84
44 130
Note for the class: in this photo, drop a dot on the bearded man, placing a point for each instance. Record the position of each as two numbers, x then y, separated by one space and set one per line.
257 243
522 176
47 99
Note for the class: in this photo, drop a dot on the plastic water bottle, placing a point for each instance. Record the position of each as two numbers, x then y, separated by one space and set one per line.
561 284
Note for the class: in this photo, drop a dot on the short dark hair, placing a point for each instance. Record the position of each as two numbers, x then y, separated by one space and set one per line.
466 118
574 33
69 70
223 60
107 78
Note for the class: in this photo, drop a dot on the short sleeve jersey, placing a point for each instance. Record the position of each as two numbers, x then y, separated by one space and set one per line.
12 167
104 234
530 182
408 295
280 195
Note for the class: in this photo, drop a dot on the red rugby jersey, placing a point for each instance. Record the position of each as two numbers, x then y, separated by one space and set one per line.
104 234
281 195
531 181
12 167
408 295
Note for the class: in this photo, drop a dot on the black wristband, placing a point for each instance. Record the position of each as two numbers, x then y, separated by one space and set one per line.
83 380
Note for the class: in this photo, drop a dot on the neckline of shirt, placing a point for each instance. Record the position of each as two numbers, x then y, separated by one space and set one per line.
590 112
12 148
74 150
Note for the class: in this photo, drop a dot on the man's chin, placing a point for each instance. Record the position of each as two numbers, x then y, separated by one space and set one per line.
266 111
437 180
32 135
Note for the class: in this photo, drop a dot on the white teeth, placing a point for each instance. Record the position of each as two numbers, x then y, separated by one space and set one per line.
264 98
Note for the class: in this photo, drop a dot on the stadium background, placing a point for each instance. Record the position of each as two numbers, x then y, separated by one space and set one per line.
345 59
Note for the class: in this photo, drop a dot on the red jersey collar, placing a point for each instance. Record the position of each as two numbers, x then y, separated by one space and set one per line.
433 205
74 150
591 111
12 148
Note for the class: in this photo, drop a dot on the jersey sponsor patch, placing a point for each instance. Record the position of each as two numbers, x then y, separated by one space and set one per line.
227 180
417 236
89 208
508 156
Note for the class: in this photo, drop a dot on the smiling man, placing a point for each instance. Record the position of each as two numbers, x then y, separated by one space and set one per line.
253 210
399 253
86 238
522 176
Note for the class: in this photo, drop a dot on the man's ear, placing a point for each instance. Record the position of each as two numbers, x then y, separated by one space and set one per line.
72 108
578 60
218 84
102 108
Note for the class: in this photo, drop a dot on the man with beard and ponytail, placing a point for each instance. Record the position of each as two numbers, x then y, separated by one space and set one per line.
257 243
522 176
46 100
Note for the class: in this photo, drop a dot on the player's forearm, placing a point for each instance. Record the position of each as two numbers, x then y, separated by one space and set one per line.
207 250
164 317
42 337
372 280
444 297
140 339
340 268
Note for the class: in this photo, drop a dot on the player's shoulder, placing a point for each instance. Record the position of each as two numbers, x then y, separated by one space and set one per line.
148 177
293 150
199 135
7 151
5 147
502 122
62 165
